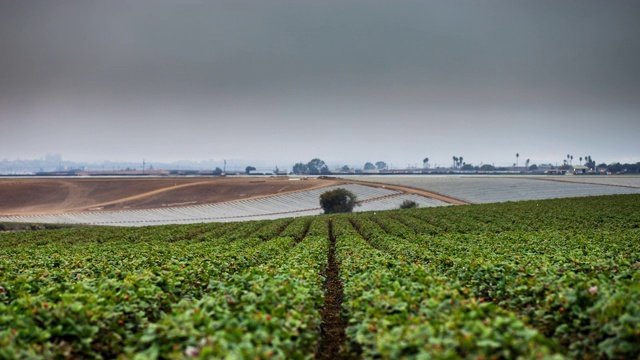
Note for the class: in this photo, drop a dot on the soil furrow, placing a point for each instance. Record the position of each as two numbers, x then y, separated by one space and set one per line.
333 336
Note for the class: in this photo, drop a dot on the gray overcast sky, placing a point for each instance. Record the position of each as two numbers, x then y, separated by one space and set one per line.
347 81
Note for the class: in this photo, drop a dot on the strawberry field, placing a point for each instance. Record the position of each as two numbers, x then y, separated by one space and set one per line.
537 279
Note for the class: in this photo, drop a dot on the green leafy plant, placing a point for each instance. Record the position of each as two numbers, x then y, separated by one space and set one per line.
537 279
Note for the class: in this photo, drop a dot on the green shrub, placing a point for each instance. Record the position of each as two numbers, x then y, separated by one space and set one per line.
409 204
338 201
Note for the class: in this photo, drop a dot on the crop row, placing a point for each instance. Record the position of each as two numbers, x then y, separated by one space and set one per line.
217 296
397 309
536 279
578 289
613 213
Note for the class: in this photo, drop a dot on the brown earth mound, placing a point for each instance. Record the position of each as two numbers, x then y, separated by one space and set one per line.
27 196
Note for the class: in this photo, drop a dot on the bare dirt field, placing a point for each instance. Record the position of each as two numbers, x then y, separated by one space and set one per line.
25 196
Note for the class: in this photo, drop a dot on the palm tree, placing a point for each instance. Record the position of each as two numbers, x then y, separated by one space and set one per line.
526 164
571 160
517 156
589 162
460 161
425 162
455 160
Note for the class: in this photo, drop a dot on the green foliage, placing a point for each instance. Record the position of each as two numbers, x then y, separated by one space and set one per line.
300 169
535 279
623 168
381 165
338 201
399 309
369 166
313 167
175 291
564 291
8 226
409 204
317 167
249 169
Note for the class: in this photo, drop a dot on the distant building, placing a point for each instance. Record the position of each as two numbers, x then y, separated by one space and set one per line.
581 170
126 172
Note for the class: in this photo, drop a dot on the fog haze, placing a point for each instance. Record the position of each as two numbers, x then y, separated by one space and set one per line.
346 81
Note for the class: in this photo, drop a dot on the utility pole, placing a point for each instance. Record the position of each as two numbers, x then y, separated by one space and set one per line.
224 167
143 164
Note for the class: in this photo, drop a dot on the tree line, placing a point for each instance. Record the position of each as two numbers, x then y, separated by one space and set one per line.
313 167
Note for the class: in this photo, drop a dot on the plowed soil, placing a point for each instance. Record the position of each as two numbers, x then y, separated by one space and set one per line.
25 196
34 196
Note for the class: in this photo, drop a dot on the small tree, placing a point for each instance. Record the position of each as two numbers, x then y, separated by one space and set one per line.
338 201
369 166
249 169
317 167
381 165
409 204
300 169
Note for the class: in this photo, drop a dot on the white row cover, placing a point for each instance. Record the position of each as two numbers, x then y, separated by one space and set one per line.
495 188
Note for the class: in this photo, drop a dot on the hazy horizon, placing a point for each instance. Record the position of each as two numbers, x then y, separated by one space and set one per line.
281 82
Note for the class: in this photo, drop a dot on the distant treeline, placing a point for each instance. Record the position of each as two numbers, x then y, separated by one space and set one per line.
28 226
622 168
